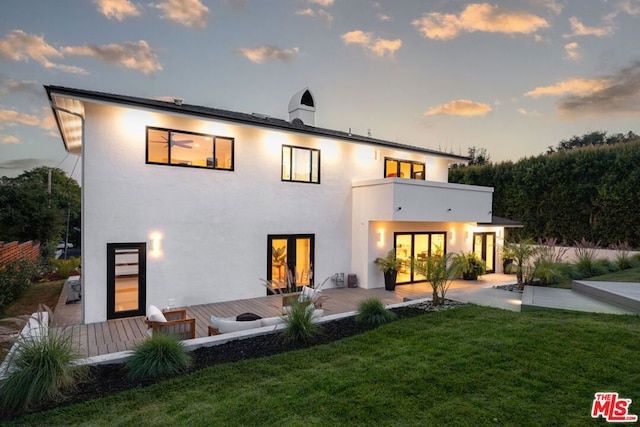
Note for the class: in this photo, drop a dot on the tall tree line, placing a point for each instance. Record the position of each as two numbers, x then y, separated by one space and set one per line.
590 191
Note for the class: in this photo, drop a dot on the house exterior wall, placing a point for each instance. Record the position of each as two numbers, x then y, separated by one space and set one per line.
212 225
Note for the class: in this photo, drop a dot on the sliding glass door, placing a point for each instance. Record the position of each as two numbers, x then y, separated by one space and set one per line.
419 246
484 246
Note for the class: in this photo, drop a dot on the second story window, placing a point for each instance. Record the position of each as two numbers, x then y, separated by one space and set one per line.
172 147
394 168
300 164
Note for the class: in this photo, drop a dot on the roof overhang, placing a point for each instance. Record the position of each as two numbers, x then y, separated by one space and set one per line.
69 114
497 221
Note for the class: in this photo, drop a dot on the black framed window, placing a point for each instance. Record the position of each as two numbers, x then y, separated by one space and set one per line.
395 168
417 245
300 164
182 148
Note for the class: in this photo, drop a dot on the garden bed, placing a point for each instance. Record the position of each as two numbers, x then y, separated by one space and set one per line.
105 380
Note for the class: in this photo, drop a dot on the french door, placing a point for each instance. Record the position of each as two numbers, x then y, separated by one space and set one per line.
484 246
418 246
126 279
291 252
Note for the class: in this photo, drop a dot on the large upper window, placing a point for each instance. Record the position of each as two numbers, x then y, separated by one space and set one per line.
172 147
300 164
394 168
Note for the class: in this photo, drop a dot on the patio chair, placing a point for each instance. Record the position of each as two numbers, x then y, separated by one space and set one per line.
170 322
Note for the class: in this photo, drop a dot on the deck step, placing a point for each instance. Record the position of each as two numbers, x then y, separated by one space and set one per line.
625 295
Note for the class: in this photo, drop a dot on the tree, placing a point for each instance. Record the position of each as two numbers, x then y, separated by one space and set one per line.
520 255
478 156
28 211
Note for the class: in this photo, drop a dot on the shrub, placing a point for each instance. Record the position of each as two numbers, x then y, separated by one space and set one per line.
42 370
372 313
66 266
299 324
158 356
15 278
586 263
623 257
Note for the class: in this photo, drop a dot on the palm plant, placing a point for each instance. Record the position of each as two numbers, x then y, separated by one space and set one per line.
520 255
439 270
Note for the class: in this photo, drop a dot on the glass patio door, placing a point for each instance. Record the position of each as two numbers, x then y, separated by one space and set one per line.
292 252
126 279
418 246
484 246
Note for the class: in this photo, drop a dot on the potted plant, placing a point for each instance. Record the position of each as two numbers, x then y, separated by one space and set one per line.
389 265
471 265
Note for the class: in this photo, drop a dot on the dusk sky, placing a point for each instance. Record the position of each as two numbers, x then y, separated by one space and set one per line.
513 77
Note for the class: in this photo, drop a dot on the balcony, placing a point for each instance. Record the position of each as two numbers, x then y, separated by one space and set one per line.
398 199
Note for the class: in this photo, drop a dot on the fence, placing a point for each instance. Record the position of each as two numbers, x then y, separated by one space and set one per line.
15 251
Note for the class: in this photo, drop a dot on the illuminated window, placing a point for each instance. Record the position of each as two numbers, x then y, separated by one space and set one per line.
171 147
394 168
300 164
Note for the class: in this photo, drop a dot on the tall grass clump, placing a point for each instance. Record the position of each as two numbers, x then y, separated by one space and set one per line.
623 258
41 370
300 324
585 259
372 313
157 357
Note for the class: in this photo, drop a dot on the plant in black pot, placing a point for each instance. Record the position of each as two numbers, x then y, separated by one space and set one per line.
389 265
471 265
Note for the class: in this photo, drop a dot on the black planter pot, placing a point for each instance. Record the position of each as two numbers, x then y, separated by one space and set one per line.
390 280
470 276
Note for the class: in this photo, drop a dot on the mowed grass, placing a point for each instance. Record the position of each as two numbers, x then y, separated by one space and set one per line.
629 275
470 366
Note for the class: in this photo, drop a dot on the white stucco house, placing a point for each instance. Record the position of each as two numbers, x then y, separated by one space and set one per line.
185 205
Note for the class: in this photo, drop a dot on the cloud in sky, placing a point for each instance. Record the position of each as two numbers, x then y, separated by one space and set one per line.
11 86
267 52
21 164
378 46
191 13
570 86
12 117
137 56
460 107
320 14
323 3
579 29
572 51
118 9
9 139
19 46
478 17
621 94
383 18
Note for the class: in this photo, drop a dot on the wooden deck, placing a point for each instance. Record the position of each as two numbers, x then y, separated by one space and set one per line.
118 335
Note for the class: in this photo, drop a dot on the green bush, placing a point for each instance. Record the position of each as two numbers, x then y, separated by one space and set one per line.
372 313
66 266
15 278
44 369
299 324
158 356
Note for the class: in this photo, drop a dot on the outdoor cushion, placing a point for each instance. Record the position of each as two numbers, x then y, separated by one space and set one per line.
215 321
307 294
155 315
226 326
270 321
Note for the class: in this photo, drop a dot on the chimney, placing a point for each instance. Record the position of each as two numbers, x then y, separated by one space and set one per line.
302 108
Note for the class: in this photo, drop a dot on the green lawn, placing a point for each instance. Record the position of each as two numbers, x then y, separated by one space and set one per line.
471 366
629 275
